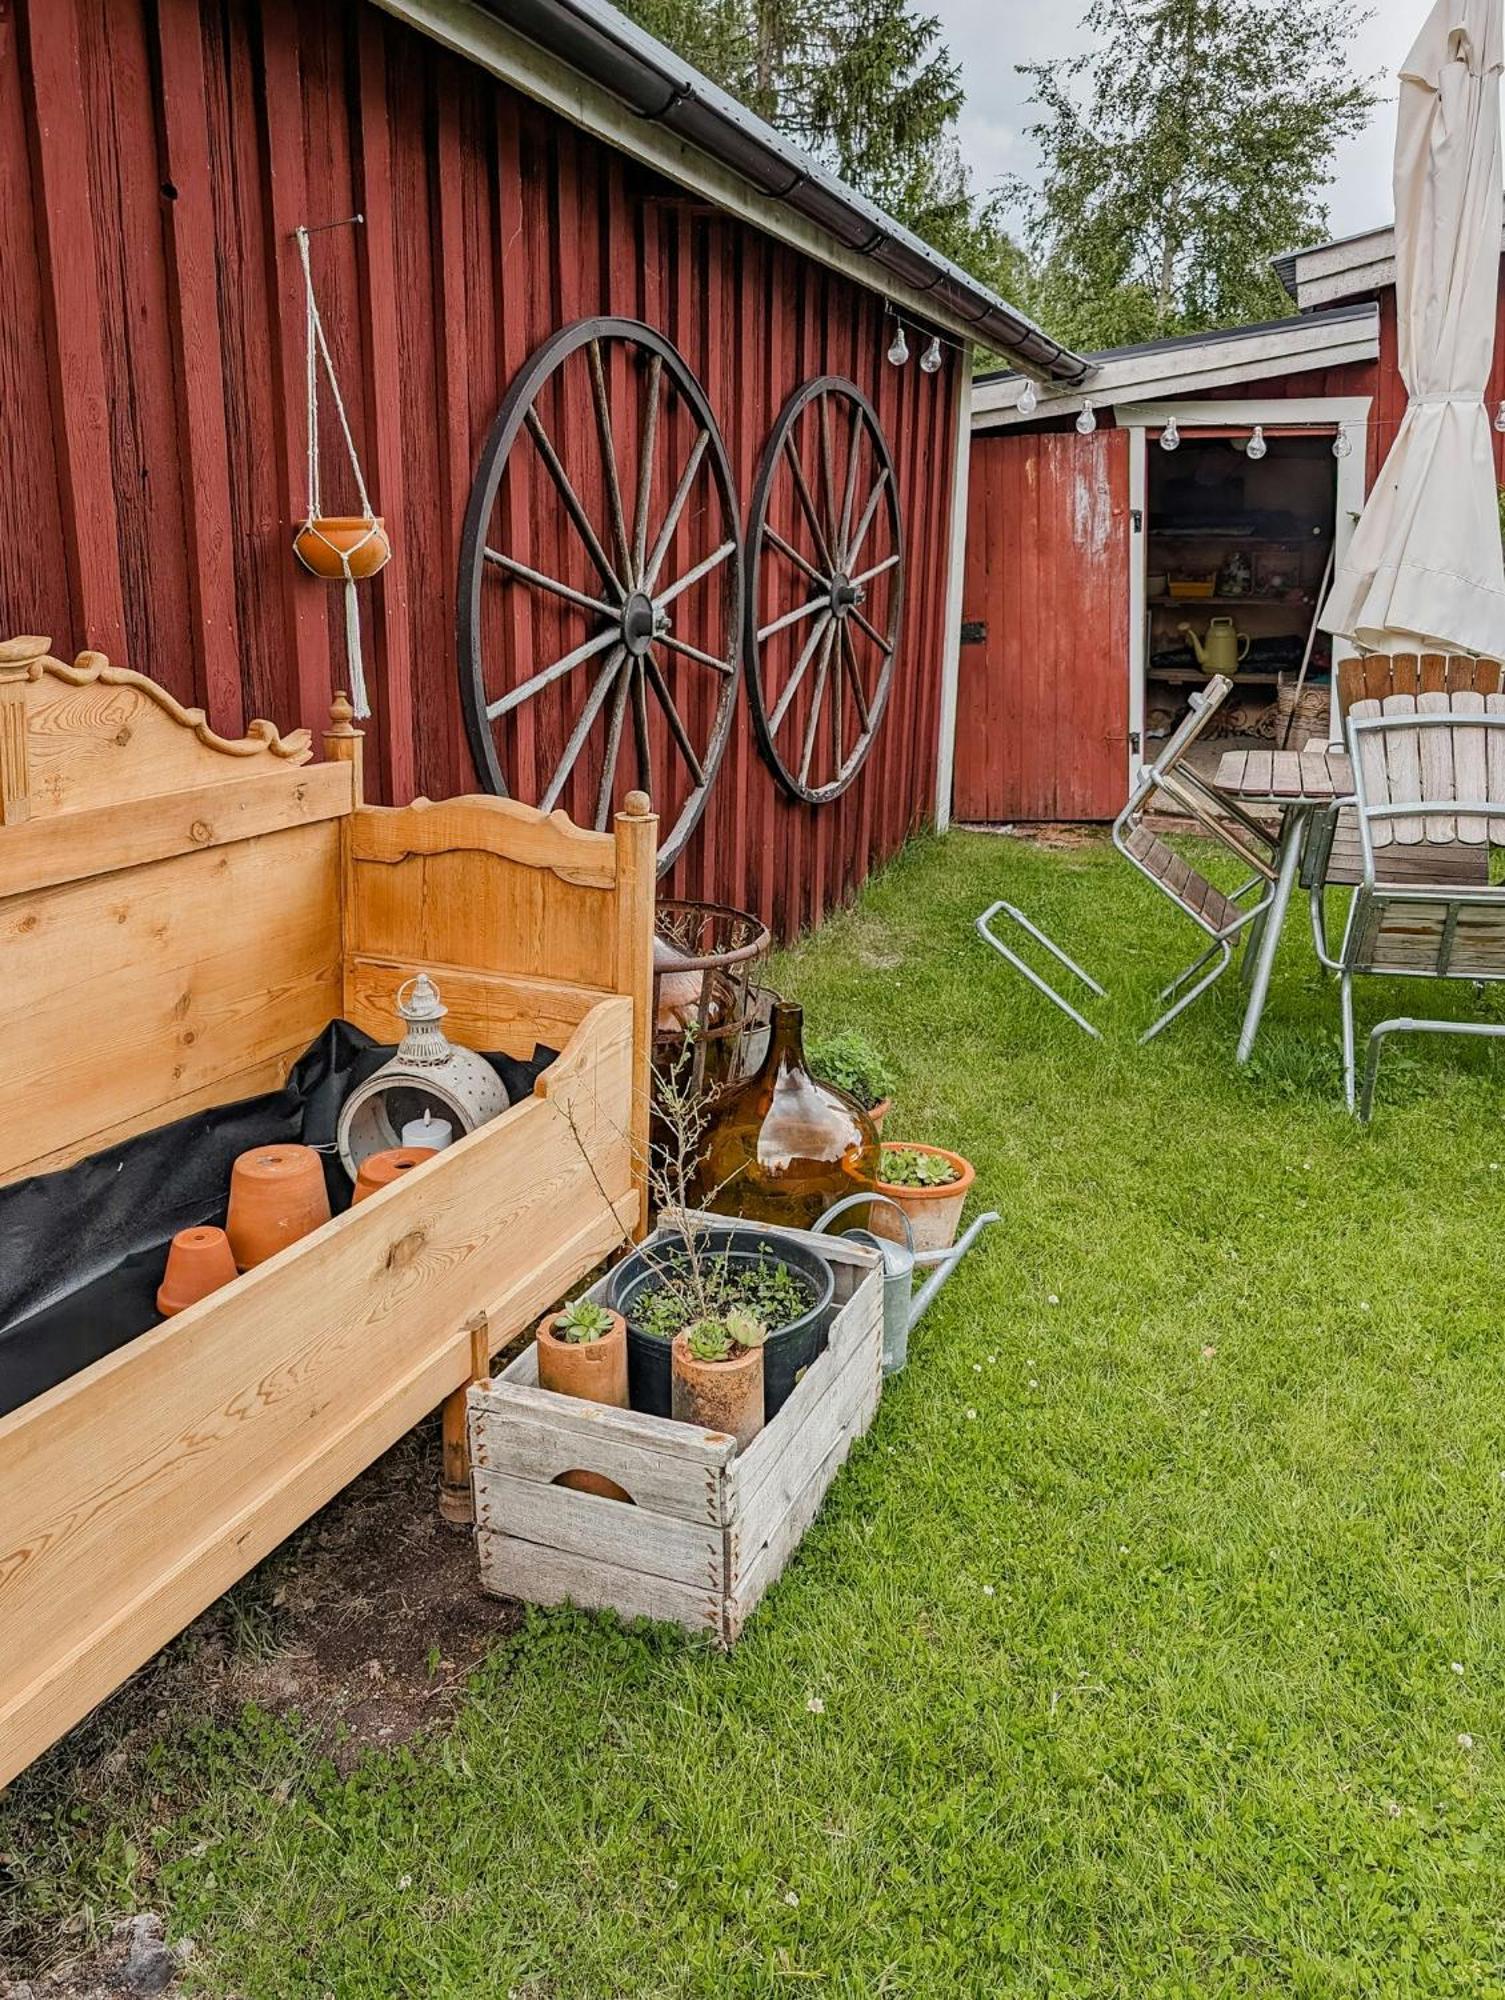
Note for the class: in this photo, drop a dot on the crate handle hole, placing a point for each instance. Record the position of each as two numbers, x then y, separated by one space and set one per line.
581 1481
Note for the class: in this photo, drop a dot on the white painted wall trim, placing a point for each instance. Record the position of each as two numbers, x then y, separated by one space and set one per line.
482 39
951 638
1139 496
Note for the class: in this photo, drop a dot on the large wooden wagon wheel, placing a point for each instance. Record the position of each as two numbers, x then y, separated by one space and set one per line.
601 582
825 588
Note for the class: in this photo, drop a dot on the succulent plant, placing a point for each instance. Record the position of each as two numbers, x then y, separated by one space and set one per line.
722 1339
583 1320
907 1166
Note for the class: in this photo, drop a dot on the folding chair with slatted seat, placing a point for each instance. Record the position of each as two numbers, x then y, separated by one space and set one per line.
1225 919
1428 769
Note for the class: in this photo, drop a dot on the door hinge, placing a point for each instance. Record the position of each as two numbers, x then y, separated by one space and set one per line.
1134 742
1136 520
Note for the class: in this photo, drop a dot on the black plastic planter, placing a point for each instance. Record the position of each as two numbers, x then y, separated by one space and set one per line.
789 1350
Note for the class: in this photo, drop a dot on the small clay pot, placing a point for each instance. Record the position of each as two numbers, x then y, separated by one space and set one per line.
320 544
718 1395
596 1371
879 1111
379 1170
199 1261
277 1195
934 1212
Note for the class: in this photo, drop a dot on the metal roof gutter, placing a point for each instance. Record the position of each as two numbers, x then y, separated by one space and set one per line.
601 44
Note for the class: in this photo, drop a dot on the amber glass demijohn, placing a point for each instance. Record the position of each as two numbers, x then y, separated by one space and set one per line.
783 1146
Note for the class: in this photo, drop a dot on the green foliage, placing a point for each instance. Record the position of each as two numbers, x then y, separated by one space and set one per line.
583 1320
906 1166
849 1060
867 86
1190 146
724 1339
767 1291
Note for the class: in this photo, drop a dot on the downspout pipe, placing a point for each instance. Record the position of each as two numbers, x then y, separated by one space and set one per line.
594 38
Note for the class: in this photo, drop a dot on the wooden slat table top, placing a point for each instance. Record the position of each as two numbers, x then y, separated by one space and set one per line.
1284 777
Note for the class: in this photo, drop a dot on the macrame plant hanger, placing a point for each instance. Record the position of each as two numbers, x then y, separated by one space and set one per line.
336 547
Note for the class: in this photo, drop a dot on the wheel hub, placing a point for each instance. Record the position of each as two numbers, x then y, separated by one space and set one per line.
845 595
642 623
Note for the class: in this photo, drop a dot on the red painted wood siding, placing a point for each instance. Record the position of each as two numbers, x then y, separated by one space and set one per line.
155 156
1043 699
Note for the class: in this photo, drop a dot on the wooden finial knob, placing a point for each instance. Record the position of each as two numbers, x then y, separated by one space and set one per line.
341 716
637 805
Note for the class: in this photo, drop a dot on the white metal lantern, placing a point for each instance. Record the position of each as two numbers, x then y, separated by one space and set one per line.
428 1078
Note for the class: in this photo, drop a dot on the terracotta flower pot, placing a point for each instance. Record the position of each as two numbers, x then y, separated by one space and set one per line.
879 1111
277 1194
320 544
717 1395
934 1212
379 1170
198 1263
595 1370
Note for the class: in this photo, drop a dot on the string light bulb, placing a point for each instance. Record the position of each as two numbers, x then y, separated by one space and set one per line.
1256 447
1500 418
1086 422
930 360
898 347
1343 443
1029 400
1170 437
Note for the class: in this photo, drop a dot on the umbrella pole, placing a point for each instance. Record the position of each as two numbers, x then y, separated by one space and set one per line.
1311 639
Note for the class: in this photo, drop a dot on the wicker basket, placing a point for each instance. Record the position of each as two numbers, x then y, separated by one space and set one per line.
1300 718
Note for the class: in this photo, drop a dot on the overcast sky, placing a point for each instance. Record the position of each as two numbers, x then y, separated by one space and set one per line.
990 36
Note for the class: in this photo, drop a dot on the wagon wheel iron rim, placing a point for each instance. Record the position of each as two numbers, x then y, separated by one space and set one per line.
814 489
640 578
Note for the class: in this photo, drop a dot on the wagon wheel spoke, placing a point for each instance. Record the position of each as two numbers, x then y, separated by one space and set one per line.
828 470
613 750
837 717
867 575
815 706
793 617
645 467
692 576
771 534
807 654
515 697
671 715
676 508
866 520
850 492
570 755
500 560
678 645
854 680
571 500
883 645
803 490
641 740
609 460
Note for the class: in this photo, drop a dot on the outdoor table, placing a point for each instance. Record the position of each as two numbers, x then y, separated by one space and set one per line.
1297 784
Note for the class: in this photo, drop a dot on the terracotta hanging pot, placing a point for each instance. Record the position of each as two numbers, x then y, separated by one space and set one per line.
933 1212
199 1261
379 1170
596 1371
277 1195
718 1395
321 544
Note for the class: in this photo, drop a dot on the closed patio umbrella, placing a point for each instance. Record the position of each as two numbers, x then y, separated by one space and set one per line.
1424 568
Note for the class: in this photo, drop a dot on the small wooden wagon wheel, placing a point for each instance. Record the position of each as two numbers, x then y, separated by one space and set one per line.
601 579
826 588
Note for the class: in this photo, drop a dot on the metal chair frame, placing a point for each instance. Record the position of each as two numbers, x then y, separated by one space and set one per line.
1224 820
1361 948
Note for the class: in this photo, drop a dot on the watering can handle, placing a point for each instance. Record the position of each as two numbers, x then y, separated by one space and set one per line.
1243 644
850 1201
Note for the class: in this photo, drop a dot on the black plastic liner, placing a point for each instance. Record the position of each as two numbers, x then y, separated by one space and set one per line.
82 1251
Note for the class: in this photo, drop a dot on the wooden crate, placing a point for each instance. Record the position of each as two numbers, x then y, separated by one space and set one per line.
710 1528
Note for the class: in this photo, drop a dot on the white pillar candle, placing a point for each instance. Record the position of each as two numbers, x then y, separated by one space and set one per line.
428 1131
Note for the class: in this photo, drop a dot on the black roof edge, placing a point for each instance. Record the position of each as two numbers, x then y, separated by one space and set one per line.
1326 316
598 41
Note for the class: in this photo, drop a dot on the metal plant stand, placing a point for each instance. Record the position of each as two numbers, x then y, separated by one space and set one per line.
603 539
825 600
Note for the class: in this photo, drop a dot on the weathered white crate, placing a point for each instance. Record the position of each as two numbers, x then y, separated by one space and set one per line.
710 1528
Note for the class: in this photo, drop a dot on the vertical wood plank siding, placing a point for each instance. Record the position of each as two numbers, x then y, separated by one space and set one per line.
155 156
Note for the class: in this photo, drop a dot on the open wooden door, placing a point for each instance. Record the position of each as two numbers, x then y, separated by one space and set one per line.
1042 724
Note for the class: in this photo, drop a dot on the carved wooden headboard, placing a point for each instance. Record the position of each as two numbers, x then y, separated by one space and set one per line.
169 905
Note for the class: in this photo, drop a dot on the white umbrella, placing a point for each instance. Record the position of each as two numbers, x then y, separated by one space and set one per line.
1424 568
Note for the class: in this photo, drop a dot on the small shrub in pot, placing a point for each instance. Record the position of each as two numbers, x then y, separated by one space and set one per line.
931 1185
849 1060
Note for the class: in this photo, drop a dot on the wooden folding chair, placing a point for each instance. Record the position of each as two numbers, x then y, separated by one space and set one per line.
1224 919
1429 774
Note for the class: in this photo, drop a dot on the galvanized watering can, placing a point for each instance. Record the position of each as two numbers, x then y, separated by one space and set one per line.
903 1306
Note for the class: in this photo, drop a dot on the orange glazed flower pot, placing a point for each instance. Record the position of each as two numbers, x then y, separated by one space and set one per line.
277 1195
379 1170
596 1371
718 1395
320 546
198 1263
933 1212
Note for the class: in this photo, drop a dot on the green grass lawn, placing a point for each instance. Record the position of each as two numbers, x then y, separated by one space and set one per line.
1150 1645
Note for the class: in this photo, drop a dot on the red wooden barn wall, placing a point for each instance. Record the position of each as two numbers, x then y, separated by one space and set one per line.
1037 702
155 156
